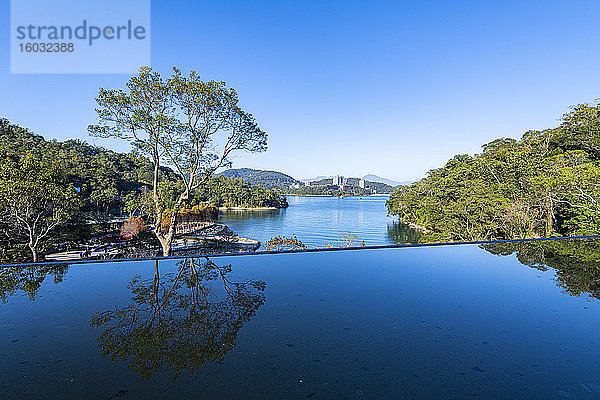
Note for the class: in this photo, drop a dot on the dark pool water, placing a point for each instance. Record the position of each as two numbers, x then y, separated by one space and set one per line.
508 321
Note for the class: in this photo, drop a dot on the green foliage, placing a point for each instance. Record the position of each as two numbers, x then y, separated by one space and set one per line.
99 174
282 243
327 190
376 187
106 184
183 122
236 192
35 198
546 184
100 177
256 177
324 187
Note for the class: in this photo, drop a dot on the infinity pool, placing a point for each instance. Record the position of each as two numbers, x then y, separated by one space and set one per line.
508 320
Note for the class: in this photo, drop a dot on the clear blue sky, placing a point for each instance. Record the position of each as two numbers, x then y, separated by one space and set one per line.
353 87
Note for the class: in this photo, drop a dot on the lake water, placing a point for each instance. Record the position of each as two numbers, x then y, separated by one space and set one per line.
318 221
501 321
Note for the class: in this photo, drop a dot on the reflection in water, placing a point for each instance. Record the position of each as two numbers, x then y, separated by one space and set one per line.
250 216
184 319
28 279
576 261
401 233
181 320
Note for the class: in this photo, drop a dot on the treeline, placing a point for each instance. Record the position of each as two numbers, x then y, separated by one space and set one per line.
324 187
328 190
236 192
58 195
376 187
257 177
545 184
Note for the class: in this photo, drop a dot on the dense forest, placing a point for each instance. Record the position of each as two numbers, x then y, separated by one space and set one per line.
327 190
257 177
324 187
545 184
56 195
236 192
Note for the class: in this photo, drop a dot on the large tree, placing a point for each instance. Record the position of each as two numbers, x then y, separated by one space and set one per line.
184 123
35 199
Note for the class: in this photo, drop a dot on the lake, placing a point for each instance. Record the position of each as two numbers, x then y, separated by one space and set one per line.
318 221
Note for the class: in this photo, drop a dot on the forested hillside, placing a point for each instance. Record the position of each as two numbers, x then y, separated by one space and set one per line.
377 187
264 178
56 195
545 184
236 192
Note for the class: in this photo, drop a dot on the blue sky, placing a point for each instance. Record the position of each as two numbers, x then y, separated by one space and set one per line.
392 88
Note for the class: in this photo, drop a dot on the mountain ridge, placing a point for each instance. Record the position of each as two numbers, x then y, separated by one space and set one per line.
271 178
391 182
266 178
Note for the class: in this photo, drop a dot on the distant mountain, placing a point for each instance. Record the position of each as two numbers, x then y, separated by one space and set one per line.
317 178
369 177
260 177
375 178
271 179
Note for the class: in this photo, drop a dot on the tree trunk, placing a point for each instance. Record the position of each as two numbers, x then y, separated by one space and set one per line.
34 252
165 240
166 246
549 218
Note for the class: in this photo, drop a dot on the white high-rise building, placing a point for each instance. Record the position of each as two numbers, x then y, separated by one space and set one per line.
361 183
338 180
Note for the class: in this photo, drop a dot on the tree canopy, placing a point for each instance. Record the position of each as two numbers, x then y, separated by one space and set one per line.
35 199
182 122
545 184
106 185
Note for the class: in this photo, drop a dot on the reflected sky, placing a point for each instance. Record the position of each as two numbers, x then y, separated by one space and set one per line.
500 321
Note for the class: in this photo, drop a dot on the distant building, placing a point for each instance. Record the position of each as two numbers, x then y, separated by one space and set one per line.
338 180
361 183
307 183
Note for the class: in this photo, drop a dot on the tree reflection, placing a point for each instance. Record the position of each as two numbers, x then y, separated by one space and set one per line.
182 320
576 261
401 233
28 279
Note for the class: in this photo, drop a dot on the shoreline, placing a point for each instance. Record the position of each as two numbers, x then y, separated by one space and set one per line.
332 195
247 208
